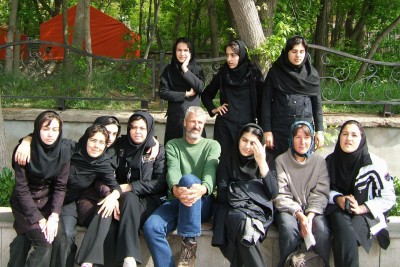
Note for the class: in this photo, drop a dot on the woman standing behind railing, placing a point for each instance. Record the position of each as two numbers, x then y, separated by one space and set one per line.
291 93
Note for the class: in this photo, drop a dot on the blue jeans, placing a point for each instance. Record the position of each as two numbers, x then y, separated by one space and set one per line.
290 237
174 215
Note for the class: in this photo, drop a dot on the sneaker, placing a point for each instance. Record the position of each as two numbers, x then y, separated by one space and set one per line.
129 262
87 264
188 254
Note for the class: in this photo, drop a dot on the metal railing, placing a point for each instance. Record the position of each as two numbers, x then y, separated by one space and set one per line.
111 79
379 84
41 77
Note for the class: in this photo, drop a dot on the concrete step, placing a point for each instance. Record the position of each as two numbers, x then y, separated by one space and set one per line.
211 256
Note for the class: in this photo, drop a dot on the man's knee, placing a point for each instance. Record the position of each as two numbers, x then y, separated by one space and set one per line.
188 179
153 226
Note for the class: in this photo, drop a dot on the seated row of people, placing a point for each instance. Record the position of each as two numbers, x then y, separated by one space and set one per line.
67 183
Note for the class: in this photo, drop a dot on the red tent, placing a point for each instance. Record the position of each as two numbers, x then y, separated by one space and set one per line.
3 40
110 37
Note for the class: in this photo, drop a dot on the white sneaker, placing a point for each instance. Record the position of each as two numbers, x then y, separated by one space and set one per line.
87 264
129 262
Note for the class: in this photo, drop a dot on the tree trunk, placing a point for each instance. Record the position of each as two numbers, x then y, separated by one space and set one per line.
17 51
338 28
375 46
321 34
178 19
358 32
157 4
189 22
88 39
249 27
79 30
159 43
267 12
65 33
141 19
248 22
8 68
196 18
212 14
149 21
231 19
4 160
348 25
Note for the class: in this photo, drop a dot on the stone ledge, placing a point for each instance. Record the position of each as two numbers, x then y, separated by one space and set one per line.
88 116
211 256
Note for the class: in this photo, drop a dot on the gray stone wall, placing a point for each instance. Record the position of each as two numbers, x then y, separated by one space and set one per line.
383 134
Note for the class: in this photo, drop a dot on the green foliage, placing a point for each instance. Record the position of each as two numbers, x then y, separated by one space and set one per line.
395 211
123 81
271 49
331 134
7 182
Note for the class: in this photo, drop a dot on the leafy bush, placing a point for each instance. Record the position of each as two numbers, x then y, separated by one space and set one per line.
395 211
7 182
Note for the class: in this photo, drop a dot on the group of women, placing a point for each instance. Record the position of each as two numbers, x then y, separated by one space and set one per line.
286 109
81 188
268 172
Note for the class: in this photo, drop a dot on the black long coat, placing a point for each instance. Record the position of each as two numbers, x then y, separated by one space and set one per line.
177 102
34 198
230 217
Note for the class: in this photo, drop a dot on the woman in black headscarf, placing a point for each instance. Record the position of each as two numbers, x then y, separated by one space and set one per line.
245 189
39 189
240 85
87 204
362 193
291 93
113 129
181 84
89 163
143 183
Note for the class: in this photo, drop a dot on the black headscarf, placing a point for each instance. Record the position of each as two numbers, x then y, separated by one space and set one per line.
244 168
111 151
106 120
47 160
85 163
291 79
134 152
343 167
239 76
175 76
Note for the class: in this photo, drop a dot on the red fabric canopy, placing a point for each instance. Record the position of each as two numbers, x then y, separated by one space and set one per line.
3 40
110 37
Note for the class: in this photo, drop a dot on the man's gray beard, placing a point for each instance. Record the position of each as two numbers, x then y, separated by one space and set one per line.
193 135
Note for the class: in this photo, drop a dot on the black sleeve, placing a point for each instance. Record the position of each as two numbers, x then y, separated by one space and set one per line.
259 84
109 180
316 102
223 181
60 187
210 92
271 184
153 181
266 105
195 81
166 92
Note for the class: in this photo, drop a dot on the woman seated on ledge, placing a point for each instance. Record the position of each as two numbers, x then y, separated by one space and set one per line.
39 192
362 193
245 189
303 184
